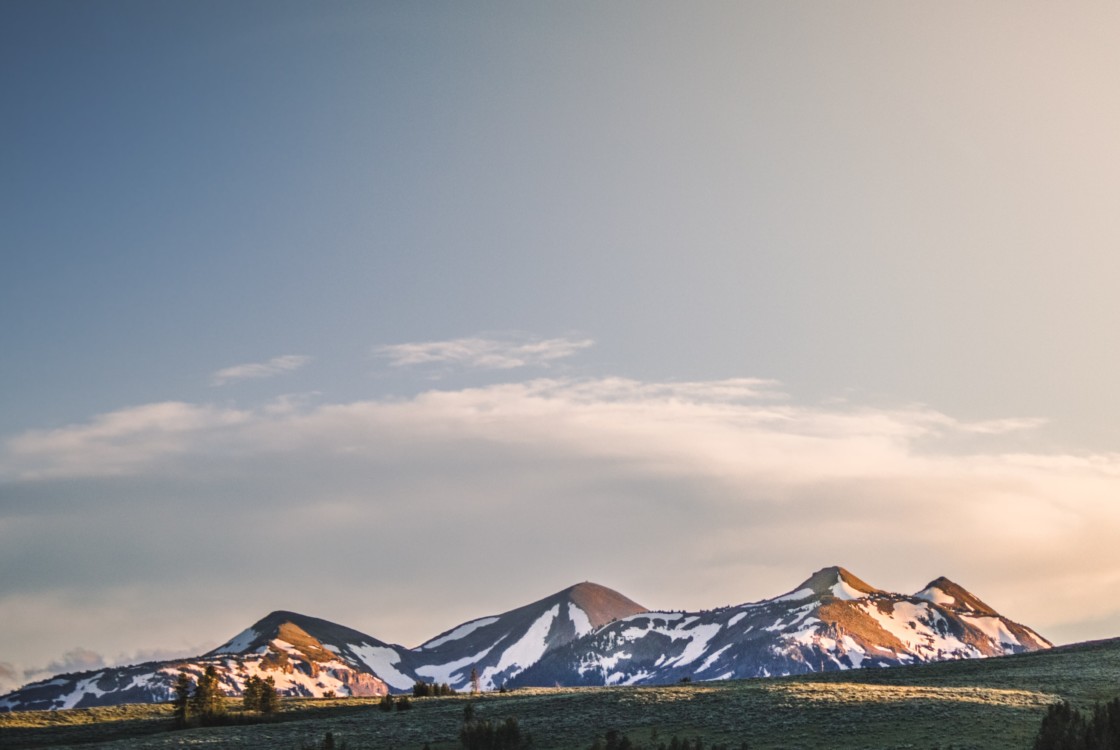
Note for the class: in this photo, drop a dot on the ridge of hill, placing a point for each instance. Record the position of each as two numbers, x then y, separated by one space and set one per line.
586 634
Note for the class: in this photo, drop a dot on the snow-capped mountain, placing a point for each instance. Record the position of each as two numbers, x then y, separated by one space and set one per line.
832 621
584 635
304 656
503 646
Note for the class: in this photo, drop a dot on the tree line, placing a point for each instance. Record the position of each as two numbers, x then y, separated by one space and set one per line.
203 702
1066 728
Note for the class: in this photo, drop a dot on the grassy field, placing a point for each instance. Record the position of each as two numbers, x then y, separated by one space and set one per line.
995 703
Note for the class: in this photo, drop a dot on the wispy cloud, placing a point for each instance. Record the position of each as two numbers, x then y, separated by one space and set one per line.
75 660
274 366
122 442
483 353
10 677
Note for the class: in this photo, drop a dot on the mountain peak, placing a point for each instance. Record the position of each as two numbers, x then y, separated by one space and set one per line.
838 582
302 631
601 604
949 594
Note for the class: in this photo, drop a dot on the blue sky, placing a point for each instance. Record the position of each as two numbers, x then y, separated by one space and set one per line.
575 285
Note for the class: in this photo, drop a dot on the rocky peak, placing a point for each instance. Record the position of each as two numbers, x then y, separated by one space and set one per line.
944 592
837 582
601 604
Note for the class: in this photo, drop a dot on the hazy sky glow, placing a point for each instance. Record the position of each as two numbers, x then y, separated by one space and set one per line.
400 314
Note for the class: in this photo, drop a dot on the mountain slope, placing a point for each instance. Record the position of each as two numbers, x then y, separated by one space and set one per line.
586 634
291 642
304 656
832 621
502 646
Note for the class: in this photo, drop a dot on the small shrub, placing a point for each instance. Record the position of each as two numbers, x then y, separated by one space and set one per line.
485 735
328 743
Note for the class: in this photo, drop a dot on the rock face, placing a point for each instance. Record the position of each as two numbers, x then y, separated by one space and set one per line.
584 635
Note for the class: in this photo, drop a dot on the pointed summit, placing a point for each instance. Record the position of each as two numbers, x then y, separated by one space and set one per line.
833 581
601 604
948 594
307 634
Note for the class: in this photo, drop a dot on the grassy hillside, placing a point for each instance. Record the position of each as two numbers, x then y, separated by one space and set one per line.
994 703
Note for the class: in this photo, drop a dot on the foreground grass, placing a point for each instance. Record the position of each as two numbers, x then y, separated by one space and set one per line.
995 703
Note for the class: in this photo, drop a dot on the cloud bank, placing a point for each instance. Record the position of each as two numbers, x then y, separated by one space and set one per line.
682 494
274 366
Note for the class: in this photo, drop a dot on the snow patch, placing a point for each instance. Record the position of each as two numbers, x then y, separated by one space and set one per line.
736 618
843 590
936 596
712 659
604 663
380 660
854 651
994 628
916 625
580 619
795 595
239 642
697 645
526 652
460 632
446 672
82 689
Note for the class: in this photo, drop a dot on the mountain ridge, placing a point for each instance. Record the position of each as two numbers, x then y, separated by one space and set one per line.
585 634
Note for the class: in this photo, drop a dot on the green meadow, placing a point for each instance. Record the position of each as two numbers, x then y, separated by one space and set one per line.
993 703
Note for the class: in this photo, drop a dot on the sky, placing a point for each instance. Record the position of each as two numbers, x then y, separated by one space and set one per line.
400 314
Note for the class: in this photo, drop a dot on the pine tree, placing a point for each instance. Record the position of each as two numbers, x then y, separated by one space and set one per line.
476 686
182 698
207 700
269 700
251 695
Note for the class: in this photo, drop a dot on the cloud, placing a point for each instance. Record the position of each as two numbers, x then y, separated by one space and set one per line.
10 677
81 659
76 660
119 442
274 366
680 494
484 353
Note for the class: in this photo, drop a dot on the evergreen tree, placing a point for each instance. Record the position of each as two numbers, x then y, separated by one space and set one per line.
1063 728
206 702
476 686
484 735
269 700
182 698
251 695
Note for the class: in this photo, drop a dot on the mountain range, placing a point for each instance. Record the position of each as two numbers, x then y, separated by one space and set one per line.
586 634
